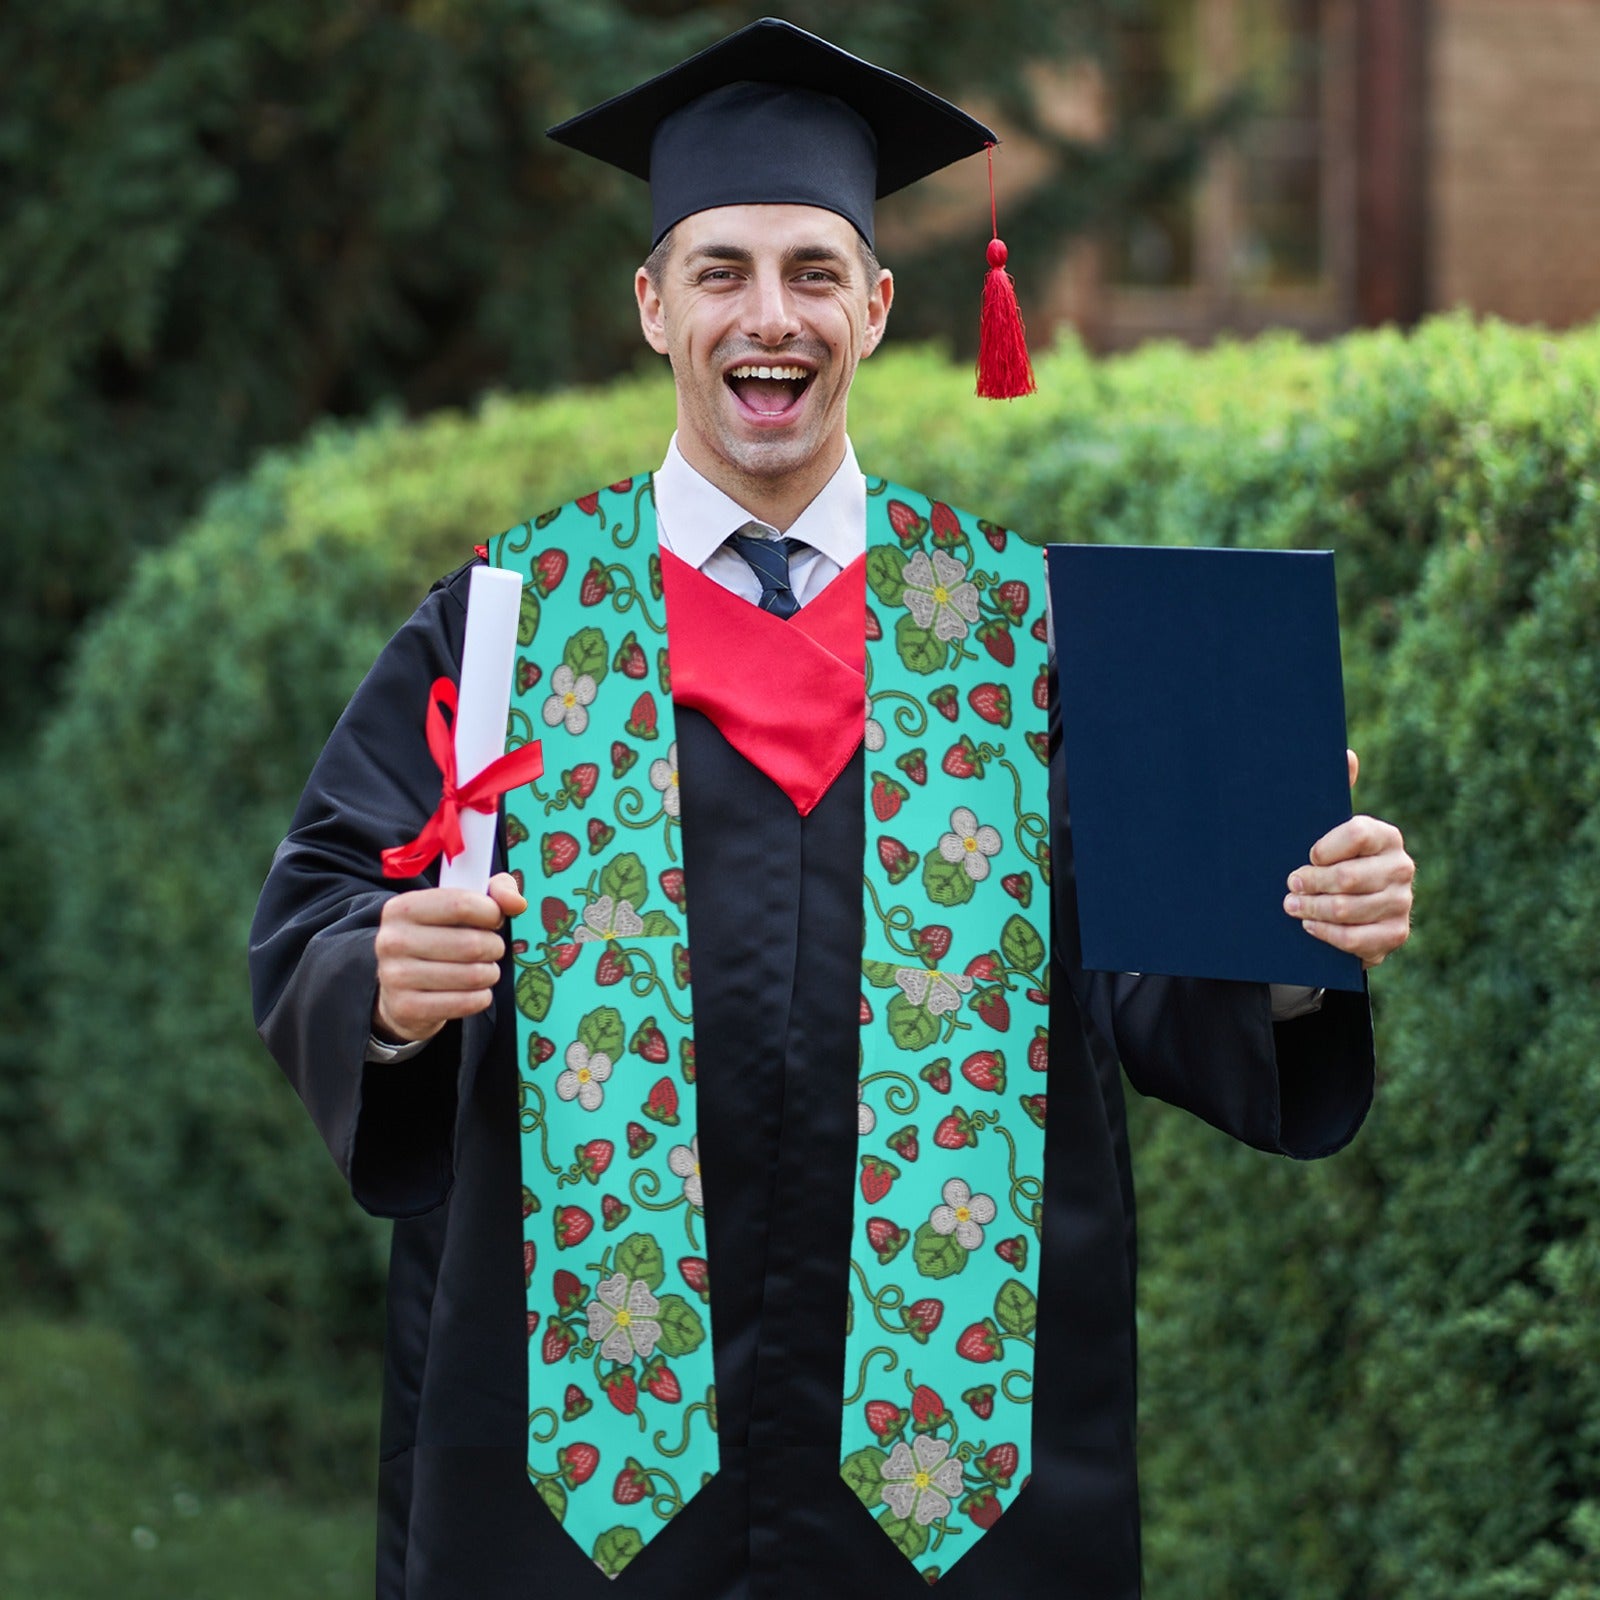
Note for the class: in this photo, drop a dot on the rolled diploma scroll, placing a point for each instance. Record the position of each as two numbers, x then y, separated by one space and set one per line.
494 603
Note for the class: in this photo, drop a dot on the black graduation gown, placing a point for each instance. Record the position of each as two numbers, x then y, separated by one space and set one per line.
774 922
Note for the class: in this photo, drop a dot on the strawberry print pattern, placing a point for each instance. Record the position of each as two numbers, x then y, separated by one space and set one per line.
951 1158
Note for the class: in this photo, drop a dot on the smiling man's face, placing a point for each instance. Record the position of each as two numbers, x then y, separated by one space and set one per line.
764 311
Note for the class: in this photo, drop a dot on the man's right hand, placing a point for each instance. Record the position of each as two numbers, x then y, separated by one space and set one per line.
439 952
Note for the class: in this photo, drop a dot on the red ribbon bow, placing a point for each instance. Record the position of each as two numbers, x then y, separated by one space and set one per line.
442 831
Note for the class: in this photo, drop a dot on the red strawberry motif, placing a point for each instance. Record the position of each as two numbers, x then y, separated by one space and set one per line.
946 528
577 1463
937 1073
985 968
984 1507
557 852
680 966
632 1485
655 575
932 943
558 1340
885 1418
564 955
596 583
927 1407
549 568
1034 1105
1019 885
1041 628
568 1289
663 1103
1039 997
1012 598
622 486
1041 689
981 1399
541 1048
529 1203
577 1403
528 674
994 534
642 724
980 1342
921 1317
622 1390
992 702
554 915
962 760
672 886
908 526
600 835
874 627
695 1275
1001 1462
877 1178
650 1042
898 861
533 1323
612 967
866 1011
622 757
955 1132
1013 1251
945 701
914 763
530 1259
1039 1050
995 636
903 1141
515 833
630 658
887 796
661 1381
573 1225
686 1059
588 504
664 671
986 1069
595 1157
1039 743
994 1008
580 781
640 1139
886 1239
613 1211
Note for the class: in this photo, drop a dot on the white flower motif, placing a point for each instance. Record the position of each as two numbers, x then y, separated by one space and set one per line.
873 737
586 1071
684 1161
573 693
938 595
920 1481
607 918
961 1214
938 991
622 1318
866 1117
969 844
664 776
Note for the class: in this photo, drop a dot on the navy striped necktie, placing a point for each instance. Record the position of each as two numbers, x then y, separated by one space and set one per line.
769 560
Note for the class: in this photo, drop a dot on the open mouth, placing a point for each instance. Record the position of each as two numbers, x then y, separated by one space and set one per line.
769 391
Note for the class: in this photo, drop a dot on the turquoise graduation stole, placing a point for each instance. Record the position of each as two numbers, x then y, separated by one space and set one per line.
936 1438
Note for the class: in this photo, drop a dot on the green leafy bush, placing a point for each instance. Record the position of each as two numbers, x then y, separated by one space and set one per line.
1375 1377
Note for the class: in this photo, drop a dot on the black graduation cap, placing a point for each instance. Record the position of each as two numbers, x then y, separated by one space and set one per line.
774 115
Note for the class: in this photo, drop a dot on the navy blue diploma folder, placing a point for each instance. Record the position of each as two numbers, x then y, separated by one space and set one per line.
1202 718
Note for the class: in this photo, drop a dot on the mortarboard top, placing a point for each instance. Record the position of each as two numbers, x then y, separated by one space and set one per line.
774 115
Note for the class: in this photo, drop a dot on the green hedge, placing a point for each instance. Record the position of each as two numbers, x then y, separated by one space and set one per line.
1371 1378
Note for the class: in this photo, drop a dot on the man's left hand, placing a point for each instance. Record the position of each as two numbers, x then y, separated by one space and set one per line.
1355 893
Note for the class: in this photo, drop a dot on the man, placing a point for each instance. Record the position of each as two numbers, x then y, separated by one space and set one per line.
547 1443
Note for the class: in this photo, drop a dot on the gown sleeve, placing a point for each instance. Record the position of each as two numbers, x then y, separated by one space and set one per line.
1299 1088
313 966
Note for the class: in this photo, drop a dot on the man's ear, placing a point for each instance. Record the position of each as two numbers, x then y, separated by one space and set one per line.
878 303
652 315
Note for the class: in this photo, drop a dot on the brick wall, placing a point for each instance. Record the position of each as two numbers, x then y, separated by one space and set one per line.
1514 162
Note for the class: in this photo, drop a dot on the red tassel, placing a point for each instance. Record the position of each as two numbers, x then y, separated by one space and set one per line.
1004 370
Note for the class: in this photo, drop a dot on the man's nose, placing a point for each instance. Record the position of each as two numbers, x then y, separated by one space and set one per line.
772 318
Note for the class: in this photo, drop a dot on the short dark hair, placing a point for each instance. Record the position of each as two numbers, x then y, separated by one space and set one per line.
655 264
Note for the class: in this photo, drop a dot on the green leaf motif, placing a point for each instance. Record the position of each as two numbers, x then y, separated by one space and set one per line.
880 974
906 1532
863 1471
586 652
920 648
602 1030
937 1255
1021 945
639 1256
911 1027
615 1548
554 1496
885 573
534 993
681 1327
658 925
948 882
1015 1308
528 618
624 878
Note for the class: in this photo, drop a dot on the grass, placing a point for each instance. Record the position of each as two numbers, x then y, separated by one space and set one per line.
91 1505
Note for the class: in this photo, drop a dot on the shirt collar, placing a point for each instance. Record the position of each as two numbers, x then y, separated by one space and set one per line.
696 517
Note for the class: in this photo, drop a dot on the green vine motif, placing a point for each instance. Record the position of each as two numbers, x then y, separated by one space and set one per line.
940 1529
626 541
1032 830
509 544
672 1500
626 596
643 984
648 1175
891 1298
519 730
910 714
532 1121
901 1104
543 1438
898 919
890 1362
659 1442
1029 1188
1017 1372
629 809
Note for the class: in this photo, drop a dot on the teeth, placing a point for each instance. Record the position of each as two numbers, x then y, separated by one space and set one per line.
797 374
